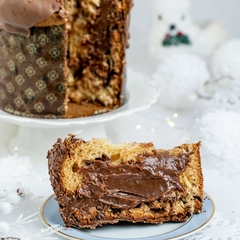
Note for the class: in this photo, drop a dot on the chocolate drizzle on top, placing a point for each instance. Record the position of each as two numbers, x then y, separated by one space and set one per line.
18 16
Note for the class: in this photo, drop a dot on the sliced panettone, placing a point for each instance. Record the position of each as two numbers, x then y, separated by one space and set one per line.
97 183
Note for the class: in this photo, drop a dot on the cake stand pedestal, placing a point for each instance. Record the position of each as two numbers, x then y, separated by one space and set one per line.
36 136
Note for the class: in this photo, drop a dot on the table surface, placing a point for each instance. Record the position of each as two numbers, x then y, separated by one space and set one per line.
29 171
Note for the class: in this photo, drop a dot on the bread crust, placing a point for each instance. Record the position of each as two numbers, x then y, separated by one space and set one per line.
54 20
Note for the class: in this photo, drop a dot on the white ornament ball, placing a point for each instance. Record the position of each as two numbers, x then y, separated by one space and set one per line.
225 61
180 77
4 228
6 207
219 132
14 198
3 193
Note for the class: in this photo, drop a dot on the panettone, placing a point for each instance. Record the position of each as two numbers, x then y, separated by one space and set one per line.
62 58
99 183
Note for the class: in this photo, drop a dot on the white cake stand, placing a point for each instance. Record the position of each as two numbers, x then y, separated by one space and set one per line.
35 136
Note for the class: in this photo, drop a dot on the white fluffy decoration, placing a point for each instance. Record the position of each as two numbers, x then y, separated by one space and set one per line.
3 193
224 93
224 88
180 76
5 207
12 170
167 13
219 132
4 228
225 61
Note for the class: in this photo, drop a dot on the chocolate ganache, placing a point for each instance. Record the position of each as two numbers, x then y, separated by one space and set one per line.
146 181
18 16
124 186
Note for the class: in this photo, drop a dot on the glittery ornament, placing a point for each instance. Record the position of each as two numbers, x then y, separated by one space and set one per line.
180 77
225 61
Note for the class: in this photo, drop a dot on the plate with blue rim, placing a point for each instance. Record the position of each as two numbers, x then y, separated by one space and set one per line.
123 230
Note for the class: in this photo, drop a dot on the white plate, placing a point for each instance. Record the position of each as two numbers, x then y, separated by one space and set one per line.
51 218
141 94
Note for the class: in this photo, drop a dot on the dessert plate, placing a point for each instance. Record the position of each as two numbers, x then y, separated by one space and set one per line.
50 216
141 94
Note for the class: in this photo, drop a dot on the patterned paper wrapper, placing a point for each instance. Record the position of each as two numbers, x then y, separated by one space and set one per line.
32 72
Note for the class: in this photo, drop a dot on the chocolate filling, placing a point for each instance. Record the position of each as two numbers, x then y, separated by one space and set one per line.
122 187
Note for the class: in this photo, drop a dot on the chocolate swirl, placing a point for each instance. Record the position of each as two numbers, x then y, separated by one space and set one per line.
19 16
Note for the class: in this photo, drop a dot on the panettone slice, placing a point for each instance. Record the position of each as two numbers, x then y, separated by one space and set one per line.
97 183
